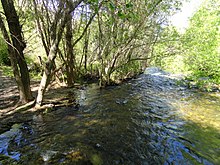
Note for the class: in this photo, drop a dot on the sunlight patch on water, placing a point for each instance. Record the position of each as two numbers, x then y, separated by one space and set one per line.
204 110
47 155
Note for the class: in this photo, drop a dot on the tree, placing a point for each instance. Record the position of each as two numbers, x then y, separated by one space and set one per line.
123 36
16 46
70 58
168 50
86 19
64 8
111 39
201 42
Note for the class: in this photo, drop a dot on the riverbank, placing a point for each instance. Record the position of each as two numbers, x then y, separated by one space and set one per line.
59 95
11 111
148 120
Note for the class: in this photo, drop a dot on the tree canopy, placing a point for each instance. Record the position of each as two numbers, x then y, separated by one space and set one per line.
202 42
196 51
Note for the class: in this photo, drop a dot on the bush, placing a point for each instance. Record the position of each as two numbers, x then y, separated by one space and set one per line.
4 59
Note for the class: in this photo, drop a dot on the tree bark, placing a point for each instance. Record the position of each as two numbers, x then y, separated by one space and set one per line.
16 47
57 28
46 75
70 61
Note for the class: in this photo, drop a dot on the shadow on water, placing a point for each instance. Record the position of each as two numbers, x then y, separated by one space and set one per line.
145 121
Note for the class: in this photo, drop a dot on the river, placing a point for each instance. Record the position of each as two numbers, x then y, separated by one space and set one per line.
148 120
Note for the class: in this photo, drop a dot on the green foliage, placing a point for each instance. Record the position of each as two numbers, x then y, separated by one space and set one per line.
34 68
197 51
125 32
117 44
127 71
202 42
7 71
167 51
4 59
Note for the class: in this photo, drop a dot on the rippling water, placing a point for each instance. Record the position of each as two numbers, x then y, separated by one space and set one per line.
149 120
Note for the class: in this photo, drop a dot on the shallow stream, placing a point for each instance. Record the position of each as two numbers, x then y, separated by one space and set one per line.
149 120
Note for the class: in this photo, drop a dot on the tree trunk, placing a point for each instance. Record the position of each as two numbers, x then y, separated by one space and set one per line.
16 51
86 46
46 75
70 65
56 32
12 57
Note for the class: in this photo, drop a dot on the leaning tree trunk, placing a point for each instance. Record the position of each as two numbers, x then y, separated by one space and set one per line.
50 61
46 75
16 51
57 29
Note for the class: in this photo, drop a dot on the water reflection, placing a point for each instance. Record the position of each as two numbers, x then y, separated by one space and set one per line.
8 139
145 121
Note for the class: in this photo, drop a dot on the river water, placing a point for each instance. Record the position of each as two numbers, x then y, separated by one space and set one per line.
149 120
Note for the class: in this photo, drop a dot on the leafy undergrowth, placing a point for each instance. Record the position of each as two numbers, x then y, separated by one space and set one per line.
203 83
6 71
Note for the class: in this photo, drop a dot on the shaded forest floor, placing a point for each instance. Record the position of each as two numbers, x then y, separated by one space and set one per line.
9 100
9 95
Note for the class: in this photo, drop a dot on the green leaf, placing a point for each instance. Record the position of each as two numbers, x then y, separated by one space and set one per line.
121 15
111 6
129 5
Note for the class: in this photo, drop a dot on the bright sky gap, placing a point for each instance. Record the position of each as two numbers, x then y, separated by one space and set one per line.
181 19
